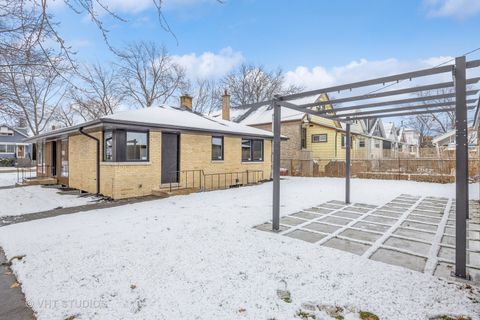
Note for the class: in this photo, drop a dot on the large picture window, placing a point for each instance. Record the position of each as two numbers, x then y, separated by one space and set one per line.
137 149
252 150
217 148
125 146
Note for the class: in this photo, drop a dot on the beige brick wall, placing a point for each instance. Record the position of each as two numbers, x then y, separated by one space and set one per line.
124 180
196 154
292 130
133 179
82 159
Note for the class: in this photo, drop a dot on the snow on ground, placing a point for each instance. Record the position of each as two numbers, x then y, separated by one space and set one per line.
197 257
22 200
8 179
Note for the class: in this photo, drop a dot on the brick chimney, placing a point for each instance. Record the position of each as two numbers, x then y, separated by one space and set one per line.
226 106
186 101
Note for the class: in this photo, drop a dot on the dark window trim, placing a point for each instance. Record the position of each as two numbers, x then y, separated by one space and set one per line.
119 151
223 148
319 134
251 150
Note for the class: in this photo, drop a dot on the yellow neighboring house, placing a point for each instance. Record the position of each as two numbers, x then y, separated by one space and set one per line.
309 136
326 138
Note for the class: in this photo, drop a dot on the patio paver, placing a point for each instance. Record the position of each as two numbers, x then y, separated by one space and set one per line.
414 232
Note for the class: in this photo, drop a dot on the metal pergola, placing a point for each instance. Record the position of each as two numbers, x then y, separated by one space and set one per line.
460 101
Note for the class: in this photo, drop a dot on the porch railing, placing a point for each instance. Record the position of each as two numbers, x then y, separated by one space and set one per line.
24 173
198 179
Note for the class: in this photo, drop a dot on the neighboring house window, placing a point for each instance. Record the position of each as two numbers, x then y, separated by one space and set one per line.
123 146
361 142
344 140
108 146
252 150
217 148
137 146
7 148
319 138
304 138
377 144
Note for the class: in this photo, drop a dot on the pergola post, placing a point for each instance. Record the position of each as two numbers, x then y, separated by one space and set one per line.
461 172
347 162
276 164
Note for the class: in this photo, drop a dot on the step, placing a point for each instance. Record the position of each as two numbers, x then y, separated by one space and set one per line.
38 181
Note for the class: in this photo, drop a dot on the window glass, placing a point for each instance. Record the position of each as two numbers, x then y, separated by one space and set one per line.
3 148
304 138
257 150
107 146
319 138
217 148
246 150
10 148
137 146
361 143
64 158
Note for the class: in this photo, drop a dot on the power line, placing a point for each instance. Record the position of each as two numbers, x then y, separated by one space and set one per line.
439 65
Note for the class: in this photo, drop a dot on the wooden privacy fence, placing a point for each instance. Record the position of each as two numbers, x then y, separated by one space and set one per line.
417 169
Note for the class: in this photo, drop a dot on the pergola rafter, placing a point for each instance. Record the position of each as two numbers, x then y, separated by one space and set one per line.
458 102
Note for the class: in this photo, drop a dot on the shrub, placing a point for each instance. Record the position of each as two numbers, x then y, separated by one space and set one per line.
7 162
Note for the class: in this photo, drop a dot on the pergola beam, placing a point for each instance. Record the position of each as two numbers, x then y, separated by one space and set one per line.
366 83
395 102
410 113
396 109
429 87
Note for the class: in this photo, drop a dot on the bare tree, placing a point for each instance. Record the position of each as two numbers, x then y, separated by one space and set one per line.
206 96
34 95
440 122
423 124
100 93
149 74
249 84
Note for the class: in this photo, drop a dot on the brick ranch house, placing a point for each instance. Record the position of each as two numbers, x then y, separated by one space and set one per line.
135 153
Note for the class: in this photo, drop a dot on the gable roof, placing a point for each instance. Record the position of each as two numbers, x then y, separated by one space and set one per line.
17 130
176 118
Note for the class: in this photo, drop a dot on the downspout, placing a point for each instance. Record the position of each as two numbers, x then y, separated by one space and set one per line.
98 155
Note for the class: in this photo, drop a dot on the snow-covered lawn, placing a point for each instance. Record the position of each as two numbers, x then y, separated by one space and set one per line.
31 199
197 257
8 179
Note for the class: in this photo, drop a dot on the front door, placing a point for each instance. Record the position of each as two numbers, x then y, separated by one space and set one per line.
170 165
54 158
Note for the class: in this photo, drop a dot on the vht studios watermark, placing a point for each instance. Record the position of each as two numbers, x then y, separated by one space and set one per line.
67 304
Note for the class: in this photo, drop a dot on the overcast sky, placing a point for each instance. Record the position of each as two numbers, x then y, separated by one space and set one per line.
317 43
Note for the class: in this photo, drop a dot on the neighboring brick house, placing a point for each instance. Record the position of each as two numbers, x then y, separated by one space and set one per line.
12 143
145 150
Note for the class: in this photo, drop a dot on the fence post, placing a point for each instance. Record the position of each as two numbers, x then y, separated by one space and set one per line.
347 162
461 176
276 165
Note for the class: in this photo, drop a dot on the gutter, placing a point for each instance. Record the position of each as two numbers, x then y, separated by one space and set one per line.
98 155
